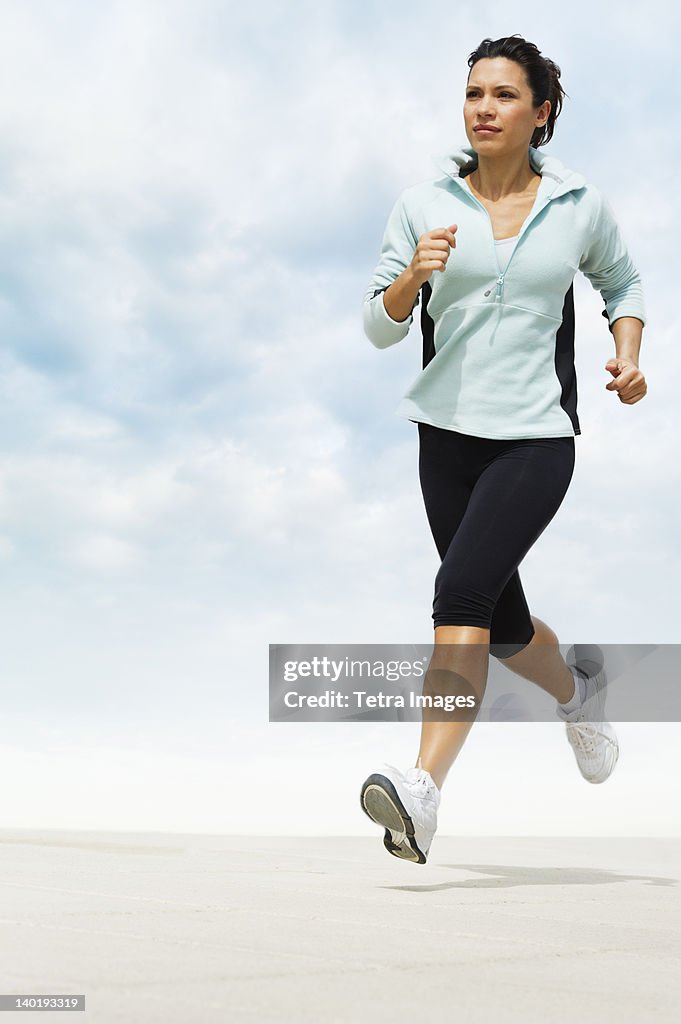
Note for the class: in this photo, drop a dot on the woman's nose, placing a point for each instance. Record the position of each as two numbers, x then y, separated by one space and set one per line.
485 110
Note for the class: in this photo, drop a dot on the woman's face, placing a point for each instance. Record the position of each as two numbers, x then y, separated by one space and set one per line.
497 93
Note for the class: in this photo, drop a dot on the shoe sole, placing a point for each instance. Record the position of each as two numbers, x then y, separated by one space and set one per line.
588 658
380 802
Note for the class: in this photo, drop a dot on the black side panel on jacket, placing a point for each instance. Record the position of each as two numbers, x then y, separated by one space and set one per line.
565 360
427 325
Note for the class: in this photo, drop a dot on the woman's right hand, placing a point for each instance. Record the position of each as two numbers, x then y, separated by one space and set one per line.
432 252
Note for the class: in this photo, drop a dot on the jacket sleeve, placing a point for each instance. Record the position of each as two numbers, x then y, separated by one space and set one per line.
397 250
607 264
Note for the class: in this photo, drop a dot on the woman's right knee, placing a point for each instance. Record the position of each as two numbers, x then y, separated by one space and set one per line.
460 603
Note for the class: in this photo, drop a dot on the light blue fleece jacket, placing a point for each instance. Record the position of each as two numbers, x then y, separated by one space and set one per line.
498 347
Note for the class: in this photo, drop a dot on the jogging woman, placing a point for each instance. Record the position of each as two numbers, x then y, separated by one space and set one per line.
491 250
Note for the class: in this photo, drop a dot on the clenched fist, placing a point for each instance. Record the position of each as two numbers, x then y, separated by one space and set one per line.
432 252
629 382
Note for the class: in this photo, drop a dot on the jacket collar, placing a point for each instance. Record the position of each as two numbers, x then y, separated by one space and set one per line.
557 179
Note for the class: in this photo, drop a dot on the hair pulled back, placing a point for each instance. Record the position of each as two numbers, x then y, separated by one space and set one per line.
543 76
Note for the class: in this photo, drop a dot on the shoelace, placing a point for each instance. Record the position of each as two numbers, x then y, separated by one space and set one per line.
401 837
420 782
584 735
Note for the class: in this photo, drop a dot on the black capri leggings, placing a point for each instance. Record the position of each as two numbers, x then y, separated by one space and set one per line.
487 502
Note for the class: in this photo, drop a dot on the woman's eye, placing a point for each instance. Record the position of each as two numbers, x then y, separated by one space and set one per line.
472 93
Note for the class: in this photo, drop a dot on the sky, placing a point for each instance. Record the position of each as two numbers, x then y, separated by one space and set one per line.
199 449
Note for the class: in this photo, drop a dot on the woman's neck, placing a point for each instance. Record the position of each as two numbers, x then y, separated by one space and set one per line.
495 179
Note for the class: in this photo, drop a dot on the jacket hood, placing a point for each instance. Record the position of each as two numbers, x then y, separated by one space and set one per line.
557 179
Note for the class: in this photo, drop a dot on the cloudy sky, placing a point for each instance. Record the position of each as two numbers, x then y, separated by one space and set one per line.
199 452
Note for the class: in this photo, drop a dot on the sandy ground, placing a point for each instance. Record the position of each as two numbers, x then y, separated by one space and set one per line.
181 928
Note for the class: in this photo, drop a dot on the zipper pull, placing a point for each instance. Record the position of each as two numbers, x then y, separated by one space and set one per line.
500 282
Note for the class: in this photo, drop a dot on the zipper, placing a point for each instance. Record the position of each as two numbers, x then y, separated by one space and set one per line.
500 279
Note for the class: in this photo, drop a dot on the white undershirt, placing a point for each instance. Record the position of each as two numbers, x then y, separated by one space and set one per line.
503 247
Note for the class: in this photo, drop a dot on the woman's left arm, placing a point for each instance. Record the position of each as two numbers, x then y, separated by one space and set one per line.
628 382
608 266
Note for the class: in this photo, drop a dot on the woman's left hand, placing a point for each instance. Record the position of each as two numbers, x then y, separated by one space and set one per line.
629 383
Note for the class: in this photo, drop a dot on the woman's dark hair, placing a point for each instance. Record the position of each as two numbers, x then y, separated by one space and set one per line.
542 76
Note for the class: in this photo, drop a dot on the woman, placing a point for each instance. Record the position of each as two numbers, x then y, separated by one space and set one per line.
496 402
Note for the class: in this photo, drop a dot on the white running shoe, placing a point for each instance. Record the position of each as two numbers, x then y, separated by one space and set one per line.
592 739
406 805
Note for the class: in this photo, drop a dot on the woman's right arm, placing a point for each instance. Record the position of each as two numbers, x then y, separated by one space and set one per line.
405 263
401 297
